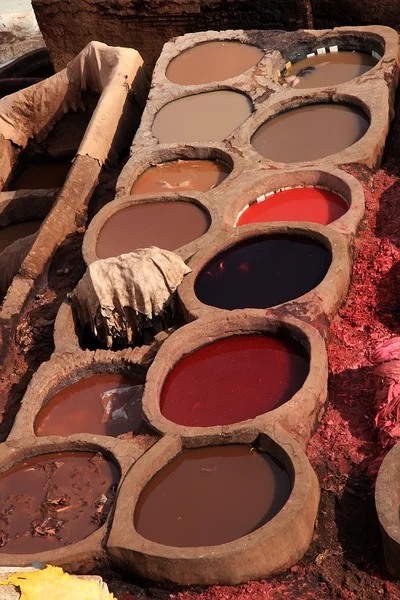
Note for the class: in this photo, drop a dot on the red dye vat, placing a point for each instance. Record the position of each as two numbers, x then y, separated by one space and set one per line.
233 379
297 204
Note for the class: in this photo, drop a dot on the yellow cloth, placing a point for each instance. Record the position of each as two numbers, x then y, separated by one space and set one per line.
53 583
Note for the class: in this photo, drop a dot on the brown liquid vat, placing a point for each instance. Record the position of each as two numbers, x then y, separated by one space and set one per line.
206 117
16 231
146 164
166 225
84 554
211 496
43 175
55 500
181 176
269 549
310 132
212 61
101 404
328 69
172 205
66 369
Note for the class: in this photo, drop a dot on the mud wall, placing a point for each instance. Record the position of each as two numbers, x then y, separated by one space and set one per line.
68 25
336 13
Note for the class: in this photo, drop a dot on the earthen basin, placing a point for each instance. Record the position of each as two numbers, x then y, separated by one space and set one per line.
74 372
181 176
81 555
17 231
206 117
387 500
322 298
269 549
344 58
329 68
144 163
310 132
263 187
212 61
188 206
298 414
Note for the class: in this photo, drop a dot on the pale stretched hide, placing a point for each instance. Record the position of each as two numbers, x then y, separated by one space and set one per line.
120 298
11 260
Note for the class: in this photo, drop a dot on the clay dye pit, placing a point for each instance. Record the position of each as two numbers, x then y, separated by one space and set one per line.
310 132
45 175
309 204
182 175
167 225
329 69
263 272
211 496
207 117
233 379
106 404
54 500
212 61
12 233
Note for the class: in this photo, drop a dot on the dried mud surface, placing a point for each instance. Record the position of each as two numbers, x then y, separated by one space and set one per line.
345 559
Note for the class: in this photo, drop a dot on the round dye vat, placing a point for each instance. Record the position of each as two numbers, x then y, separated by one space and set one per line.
54 500
212 61
12 233
263 272
310 132
208 117
167 225
182 175
298 204
211 496
232 380
106 404
329 69
41 176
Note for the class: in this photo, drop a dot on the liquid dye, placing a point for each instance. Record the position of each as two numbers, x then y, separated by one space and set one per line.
12 233
210 496
212 61
310 132
232 380
182 175
41 176
54 500
329 69
207 117
298 204
167 225
263 272
106 404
